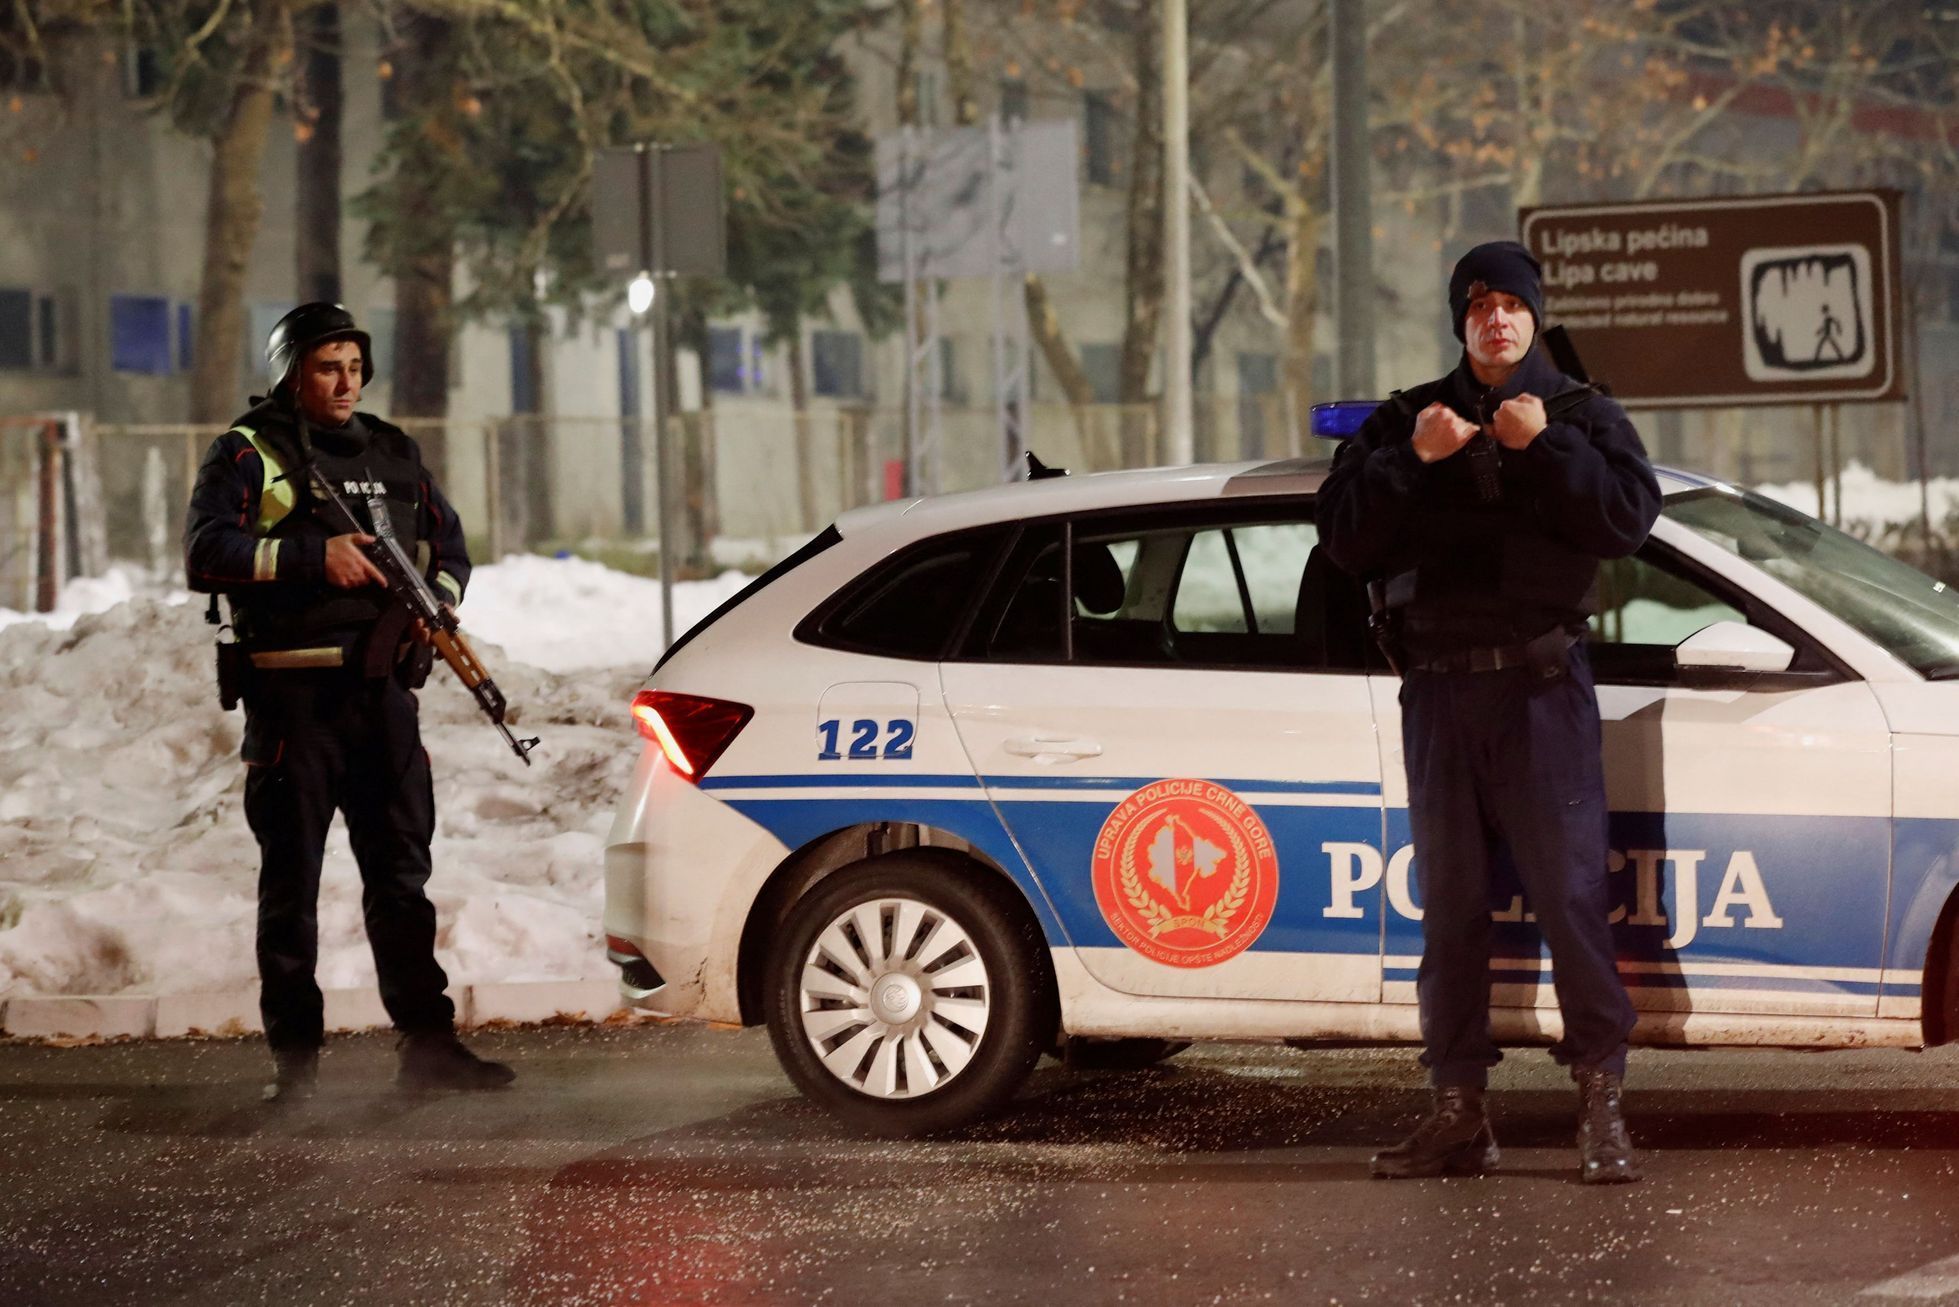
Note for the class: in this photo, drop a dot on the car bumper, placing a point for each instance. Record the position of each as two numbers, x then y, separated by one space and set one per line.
681 872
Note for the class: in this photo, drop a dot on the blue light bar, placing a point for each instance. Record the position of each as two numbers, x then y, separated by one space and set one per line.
1339 420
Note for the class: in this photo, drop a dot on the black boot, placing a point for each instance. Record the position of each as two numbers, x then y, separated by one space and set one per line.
1605 1154
295 1075
438 1060
1455 1138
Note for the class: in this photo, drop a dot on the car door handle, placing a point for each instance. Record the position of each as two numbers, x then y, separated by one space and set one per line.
1054 747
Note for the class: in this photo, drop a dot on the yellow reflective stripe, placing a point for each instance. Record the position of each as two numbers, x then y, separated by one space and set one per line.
277 495
298 659
265 561
452 585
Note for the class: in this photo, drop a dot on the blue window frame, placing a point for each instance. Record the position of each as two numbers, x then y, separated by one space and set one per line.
725 370
186 343
139 334
837 364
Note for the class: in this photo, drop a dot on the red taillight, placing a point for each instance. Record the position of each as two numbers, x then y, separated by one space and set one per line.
690 730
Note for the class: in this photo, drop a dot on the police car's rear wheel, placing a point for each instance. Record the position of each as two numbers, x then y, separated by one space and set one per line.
909 994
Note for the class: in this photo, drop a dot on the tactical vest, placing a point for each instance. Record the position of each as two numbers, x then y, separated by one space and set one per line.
382 462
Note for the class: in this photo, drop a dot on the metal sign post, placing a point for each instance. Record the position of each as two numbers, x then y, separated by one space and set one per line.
659 211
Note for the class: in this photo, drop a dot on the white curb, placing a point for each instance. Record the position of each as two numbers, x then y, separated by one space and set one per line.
176 1016
87 1016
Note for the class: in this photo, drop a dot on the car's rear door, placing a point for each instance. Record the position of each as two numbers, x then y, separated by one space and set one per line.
1169 710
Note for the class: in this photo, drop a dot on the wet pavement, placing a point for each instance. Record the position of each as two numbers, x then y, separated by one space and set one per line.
672 1164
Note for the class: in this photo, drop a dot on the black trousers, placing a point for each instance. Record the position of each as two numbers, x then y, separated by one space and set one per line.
317 742
1510 757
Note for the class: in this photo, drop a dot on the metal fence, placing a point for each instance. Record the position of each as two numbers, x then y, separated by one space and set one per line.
750 478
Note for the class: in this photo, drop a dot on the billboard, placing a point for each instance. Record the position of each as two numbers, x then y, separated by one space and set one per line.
1783 299
967 193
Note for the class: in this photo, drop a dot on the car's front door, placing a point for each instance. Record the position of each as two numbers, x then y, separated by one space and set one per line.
1172 720
1750 819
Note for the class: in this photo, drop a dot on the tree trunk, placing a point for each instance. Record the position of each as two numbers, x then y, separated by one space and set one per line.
700 509
318 157
800 420
536 428
1046 330
1302 307
959 63
910 33
231 218
424 267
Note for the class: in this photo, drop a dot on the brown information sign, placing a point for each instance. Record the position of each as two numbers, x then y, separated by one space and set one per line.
1785 299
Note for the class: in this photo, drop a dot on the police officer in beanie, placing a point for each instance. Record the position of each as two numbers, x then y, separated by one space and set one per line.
1479 506
326 663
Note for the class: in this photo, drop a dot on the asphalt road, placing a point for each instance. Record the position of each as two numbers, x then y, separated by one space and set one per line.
668 1164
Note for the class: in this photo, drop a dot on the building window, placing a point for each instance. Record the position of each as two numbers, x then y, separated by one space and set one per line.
1258 394
142 73
725 372
523 349
16 330
1103 366
139 334
950 389
837 364
186 342
1099 137
926 83
380 325
1013 99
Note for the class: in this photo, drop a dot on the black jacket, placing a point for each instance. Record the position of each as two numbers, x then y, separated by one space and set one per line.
1465 572
257 534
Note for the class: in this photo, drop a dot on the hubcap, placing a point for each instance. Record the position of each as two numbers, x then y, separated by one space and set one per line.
894 998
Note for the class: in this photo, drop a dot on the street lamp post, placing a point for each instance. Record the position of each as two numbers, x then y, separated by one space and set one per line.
1180 440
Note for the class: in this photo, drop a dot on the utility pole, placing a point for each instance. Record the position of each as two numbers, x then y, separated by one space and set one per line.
1353 210
1180 444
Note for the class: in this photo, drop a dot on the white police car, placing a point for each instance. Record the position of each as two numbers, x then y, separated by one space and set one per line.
1112 756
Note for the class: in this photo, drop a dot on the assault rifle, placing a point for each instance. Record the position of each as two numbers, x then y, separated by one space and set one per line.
408 585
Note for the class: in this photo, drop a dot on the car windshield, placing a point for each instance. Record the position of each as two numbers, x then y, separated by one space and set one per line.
1911 615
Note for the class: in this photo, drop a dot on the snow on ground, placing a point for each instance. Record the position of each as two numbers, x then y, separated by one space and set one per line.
125 861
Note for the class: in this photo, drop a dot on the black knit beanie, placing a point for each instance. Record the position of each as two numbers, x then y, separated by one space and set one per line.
1497 265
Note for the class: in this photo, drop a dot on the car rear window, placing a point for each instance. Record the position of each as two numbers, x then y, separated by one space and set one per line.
912 605
820 542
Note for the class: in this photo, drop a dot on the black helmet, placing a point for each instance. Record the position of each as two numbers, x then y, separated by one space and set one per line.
310 325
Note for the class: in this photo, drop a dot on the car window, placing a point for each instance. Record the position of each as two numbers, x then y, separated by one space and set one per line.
1650 602
912 606
1022 619
1907 613
1173 590
1640 603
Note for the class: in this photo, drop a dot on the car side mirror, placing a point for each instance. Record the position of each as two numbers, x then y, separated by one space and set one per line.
1734 646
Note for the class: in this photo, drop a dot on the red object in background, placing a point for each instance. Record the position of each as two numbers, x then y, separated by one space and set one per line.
894 478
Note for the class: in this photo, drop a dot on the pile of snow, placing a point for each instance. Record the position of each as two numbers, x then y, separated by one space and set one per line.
1870 499
567 613
125 861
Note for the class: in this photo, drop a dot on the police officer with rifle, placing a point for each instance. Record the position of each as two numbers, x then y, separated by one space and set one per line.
329 650
1479 506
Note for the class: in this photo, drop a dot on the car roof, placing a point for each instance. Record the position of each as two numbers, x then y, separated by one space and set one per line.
1063 495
